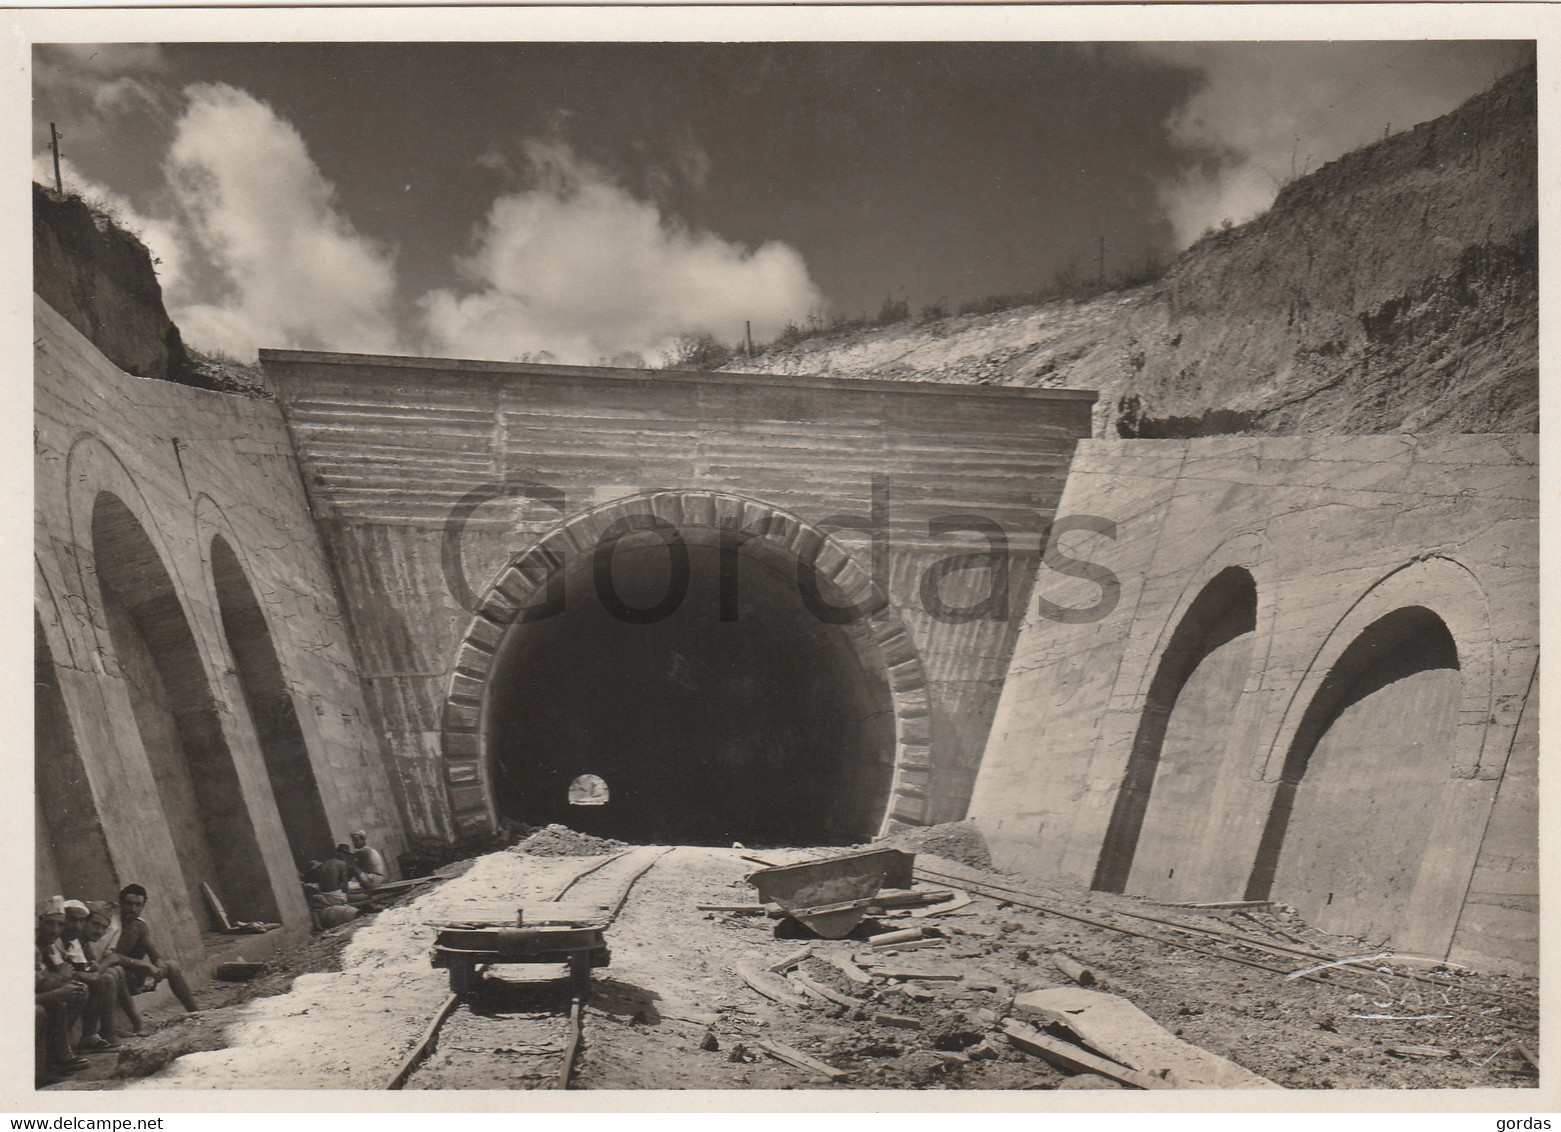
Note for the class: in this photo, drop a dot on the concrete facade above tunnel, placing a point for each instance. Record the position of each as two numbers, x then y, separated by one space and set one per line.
1316 687
428 477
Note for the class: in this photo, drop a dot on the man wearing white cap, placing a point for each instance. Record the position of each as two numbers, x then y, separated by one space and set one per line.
98 1031
59 999
371 866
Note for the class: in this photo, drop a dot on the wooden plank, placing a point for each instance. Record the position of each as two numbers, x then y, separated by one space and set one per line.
961 898
913 945
807 991
1114 1028
801 1060
1077 1060
941 975
1073 969
890 939
792 960
735 909
909 898
216 906
899 1021
768 985
824 991
849 969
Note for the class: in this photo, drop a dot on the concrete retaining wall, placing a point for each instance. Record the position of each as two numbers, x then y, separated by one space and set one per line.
163 473
1337 535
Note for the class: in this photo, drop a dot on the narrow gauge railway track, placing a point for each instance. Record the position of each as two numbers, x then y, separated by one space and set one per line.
1341 965
530 1033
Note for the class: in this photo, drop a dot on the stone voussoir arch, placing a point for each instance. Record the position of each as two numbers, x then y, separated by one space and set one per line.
776 535
1448 589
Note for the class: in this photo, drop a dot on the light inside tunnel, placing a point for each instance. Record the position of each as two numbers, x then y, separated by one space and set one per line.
734 715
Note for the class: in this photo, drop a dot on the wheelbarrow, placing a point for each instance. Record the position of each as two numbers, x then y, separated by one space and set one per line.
831 896
463 948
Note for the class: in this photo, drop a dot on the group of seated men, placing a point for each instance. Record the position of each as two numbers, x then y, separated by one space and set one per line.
91 960
326 881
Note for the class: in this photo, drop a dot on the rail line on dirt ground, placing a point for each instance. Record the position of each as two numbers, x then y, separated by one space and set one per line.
575 1015
1343 964
1032 901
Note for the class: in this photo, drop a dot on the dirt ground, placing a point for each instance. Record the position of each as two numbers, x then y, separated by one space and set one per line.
672 1011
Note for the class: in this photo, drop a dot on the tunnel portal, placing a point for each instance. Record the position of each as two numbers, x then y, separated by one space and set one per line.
729 713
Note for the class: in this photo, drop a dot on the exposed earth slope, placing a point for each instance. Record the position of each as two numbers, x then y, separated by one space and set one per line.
1395 289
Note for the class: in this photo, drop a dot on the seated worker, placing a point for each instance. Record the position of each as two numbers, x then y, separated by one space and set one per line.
97 1020
326 885
101 934
58 1002
332 874
371 866
138 955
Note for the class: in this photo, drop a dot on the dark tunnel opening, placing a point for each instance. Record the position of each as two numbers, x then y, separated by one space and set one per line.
736 716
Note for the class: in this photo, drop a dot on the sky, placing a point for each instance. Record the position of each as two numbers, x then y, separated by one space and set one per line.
594 203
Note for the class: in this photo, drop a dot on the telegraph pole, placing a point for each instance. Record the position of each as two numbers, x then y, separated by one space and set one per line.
54 143
1101 270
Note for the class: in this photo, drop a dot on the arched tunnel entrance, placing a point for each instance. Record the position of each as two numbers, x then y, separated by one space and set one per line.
687 671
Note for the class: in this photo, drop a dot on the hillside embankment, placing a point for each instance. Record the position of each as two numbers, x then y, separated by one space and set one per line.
103 280
1393 290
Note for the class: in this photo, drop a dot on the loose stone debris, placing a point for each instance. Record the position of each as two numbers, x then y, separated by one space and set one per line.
561 841
705 999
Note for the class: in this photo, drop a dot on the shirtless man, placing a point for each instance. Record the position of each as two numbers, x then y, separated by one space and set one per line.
138 955
332 874
99 945
371 866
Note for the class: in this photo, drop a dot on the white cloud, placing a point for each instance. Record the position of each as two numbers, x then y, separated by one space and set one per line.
105 58
292 271
90 88
1268 112
578 267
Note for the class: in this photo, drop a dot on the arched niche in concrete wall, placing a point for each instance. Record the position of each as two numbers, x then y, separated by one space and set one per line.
155 653
1355 811
73 858
271 709
635 674
1161 808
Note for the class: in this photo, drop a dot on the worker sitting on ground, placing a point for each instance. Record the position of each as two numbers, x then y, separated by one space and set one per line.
58 1001
326 886
97 1019
332 874
102 933
371 866
138 954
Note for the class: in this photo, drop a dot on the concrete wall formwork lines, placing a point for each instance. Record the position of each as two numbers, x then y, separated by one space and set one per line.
186 466
392 448
1337 533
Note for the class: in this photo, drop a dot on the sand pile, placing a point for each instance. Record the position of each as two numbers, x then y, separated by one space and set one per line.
561 841
954 841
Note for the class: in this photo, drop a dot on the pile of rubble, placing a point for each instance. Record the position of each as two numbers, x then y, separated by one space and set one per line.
953 841
561 841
